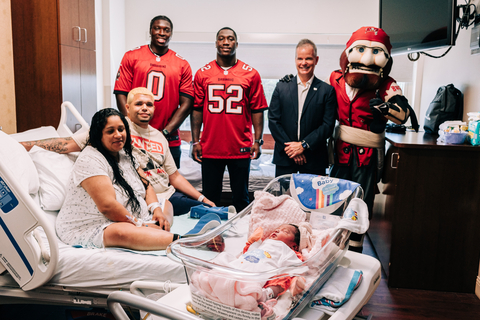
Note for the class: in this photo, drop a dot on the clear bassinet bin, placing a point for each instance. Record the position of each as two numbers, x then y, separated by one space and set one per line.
200 256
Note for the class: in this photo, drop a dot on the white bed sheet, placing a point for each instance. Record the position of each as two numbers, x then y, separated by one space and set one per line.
80 267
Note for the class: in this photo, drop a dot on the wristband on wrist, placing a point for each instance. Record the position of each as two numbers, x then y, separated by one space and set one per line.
201 198
195 143
152 206
165 132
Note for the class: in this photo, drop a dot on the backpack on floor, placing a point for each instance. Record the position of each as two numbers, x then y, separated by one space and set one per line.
447 105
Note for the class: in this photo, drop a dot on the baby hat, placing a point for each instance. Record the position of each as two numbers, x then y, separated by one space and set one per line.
270 212
305 236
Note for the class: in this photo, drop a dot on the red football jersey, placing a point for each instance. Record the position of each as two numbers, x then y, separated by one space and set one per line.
227 99
168 77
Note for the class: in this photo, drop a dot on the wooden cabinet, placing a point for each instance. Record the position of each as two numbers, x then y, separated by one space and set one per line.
77 52
54 60
428 235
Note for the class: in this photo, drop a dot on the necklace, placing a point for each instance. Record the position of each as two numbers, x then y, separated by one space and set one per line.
159 57
225 69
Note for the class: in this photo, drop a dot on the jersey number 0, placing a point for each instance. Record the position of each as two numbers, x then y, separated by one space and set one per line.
156 84
230 104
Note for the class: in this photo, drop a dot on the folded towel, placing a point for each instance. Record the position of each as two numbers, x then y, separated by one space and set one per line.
355 217
339 288
224 213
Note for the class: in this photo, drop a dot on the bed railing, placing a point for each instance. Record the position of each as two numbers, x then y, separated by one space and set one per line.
63 130
20 252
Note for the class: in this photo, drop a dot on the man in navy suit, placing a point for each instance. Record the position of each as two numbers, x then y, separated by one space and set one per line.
302 117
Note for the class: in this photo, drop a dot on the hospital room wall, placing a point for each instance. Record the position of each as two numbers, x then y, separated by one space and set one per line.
7 88
268 31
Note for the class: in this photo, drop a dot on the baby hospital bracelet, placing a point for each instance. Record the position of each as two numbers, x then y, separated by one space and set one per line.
152 206
200 199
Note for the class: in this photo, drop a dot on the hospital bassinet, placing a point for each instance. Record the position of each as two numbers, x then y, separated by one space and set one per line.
196 254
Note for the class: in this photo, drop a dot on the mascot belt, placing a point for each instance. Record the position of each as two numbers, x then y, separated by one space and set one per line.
360 137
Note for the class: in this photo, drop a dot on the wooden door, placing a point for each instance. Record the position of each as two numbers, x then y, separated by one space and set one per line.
36 63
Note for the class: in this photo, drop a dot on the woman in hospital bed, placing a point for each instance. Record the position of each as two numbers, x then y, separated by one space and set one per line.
109 201
280 249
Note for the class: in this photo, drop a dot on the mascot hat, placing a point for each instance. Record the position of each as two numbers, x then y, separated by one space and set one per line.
371 34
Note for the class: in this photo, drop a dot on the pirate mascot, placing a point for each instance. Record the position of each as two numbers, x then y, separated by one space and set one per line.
367 97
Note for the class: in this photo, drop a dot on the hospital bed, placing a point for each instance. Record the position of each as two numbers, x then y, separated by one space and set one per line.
37 268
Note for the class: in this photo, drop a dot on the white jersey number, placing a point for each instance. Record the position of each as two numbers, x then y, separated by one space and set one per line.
230 104
156 84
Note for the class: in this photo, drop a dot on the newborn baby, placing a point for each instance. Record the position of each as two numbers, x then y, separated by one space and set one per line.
280 249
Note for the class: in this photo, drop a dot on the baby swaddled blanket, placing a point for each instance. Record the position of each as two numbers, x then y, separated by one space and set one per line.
261 256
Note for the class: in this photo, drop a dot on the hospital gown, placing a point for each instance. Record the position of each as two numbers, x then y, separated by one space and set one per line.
79 221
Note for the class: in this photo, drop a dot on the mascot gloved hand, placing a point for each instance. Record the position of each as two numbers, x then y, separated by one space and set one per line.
379 111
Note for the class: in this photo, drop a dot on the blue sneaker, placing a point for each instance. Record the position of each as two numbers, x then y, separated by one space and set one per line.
201 210
205 224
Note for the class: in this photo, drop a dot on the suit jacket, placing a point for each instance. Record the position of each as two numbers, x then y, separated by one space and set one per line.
316 124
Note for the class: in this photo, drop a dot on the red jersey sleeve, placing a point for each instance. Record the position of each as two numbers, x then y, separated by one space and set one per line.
199 91
186 85
123 82
257 99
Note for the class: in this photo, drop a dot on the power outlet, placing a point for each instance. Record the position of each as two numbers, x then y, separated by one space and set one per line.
475 39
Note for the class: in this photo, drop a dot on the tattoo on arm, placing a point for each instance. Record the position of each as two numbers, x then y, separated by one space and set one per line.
59 145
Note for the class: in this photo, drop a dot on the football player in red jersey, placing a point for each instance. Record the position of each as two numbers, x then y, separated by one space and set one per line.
229 98
166 74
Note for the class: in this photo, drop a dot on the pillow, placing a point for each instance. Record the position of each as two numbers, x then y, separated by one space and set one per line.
15 158
36 134
54 173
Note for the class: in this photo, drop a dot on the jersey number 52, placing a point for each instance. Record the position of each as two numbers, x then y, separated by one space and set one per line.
231 104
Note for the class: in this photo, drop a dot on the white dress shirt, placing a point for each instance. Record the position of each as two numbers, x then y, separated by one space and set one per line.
302 95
